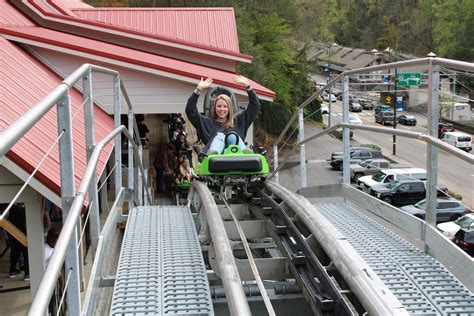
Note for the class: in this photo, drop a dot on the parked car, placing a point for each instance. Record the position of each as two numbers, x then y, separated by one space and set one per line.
355 119
449 229
355 107
370 167
403 192
464 239
339 154
366 104
354 99
384 176
443 128
447 209
324 109
459 140
326 97
384 118
382 108
338 95
407 120
356 156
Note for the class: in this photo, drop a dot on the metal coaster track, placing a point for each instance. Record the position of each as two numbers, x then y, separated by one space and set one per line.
327 290
319 289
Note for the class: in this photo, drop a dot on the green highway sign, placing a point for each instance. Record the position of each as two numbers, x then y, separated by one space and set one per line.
408 79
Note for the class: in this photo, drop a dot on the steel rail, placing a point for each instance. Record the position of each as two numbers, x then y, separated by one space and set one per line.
237 301
12 134
322 294
331 83
460 65
373 294
48 281
384 130
104 240
253 266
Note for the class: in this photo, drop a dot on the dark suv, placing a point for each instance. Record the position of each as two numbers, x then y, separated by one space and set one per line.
403 192
384 118
355 157
464 239
339 154
366 104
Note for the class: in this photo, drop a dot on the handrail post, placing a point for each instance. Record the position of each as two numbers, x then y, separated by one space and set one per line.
90 145
432 154
118 138
346 131
302 149
142 178
275 162
130 158
66 158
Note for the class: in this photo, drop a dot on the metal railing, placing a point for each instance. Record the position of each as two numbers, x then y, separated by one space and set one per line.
66 249
430 138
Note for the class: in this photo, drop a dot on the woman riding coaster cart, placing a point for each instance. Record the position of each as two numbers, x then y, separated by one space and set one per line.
213 130
223 133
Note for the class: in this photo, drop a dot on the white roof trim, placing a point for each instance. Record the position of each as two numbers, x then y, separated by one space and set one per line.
35 184
121 63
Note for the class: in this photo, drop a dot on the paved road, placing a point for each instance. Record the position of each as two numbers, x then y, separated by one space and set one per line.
454 173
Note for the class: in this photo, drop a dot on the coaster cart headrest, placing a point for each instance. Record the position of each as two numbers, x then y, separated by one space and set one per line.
212 94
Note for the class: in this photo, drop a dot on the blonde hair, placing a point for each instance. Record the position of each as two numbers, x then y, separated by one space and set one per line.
230 116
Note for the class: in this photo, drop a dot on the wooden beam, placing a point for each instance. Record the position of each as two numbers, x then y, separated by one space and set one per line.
14 231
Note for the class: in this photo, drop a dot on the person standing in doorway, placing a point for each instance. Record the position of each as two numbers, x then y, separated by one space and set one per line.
162 165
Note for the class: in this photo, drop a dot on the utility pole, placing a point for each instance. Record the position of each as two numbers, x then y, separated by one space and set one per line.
394 137
327 81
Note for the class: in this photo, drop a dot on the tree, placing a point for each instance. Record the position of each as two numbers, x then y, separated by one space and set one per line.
453 30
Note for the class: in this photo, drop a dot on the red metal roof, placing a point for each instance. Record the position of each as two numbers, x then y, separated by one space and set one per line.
213 27
123 54
24 82
214 39
71 4
9 16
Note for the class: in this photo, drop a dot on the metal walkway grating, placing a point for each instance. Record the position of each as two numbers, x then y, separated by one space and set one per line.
420 282
161 270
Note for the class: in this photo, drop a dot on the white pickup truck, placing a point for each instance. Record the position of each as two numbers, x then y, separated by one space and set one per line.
371 166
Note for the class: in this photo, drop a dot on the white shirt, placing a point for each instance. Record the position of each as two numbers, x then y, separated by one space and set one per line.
48 252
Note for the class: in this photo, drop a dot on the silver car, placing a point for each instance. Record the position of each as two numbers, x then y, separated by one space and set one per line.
447 209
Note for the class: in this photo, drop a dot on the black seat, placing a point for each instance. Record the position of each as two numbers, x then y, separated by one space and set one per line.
235 163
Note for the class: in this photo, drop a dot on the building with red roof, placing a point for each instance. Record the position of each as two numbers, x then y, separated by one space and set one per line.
161 55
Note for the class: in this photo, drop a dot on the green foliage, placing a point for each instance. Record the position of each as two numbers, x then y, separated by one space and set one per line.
273 118
455 195
373 146
453 32
313 111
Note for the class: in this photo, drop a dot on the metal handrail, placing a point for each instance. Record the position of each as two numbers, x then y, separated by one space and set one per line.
13 133
460 65
48 281
384 130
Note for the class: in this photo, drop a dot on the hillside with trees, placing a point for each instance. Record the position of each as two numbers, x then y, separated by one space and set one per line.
279 33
